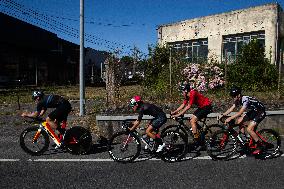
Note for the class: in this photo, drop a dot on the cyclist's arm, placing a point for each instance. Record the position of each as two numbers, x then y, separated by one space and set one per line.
183 110
178 109
135 125
33 114
229 110
238 114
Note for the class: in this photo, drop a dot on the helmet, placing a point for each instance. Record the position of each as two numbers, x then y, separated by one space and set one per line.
184 87
135 100
37 94
235 91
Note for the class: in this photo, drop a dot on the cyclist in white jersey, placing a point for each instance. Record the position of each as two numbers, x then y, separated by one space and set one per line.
255 113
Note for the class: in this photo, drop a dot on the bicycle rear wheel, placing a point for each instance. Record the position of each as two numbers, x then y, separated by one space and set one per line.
175 146
271 141
124 147
34 141
222 145
78 140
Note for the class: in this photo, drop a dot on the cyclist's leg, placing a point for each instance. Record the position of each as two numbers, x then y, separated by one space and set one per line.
198 115
256 118
241 121
155 126
58 115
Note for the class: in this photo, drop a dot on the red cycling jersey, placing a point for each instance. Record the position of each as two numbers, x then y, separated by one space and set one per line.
197 98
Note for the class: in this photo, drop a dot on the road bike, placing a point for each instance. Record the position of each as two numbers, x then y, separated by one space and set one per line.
226 143
205 130
35 140
125 146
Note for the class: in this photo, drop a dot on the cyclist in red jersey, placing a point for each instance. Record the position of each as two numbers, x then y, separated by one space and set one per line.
193 97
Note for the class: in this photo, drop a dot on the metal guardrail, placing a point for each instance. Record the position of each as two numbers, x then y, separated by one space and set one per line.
146 117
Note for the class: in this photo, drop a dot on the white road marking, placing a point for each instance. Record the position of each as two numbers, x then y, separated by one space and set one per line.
3 160
105 160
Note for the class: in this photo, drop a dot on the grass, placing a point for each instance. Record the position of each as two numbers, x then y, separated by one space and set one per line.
11 96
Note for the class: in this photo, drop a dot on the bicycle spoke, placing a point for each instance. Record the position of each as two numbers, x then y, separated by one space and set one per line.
124 147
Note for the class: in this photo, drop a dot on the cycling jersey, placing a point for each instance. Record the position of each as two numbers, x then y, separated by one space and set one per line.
63 107
150 109
250 103
197 98
256 110
160 117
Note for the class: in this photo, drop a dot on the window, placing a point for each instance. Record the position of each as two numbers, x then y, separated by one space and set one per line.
195 51
232 44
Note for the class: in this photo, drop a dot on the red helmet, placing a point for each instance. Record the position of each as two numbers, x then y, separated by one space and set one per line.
134 101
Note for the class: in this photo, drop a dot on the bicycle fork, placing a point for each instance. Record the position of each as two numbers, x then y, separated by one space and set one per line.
125 143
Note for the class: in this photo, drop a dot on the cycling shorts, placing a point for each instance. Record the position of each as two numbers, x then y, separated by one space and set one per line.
256 116
203 112
61 112
157 122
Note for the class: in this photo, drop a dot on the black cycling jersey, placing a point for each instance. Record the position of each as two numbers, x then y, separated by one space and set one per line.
150 109
250 103
50 101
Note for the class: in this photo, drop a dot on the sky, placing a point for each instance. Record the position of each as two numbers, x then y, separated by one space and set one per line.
117 24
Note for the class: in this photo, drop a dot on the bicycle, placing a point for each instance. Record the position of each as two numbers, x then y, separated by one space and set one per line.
125 146
205 130
35 140
224 143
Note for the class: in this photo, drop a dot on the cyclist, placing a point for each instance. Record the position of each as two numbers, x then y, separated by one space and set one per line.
255 114
61 105
191 97
159 119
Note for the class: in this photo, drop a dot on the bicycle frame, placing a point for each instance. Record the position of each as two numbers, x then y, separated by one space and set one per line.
46 127
250 143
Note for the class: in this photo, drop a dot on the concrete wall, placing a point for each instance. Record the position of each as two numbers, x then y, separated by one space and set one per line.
260 18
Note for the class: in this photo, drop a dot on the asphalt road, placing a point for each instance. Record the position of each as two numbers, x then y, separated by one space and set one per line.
96 170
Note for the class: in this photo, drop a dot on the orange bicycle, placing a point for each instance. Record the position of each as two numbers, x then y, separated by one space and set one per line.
35 140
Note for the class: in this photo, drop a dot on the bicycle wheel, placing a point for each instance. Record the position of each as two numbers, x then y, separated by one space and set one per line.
211 129
271 141
34 141
78 140
124 147
222 145
175 146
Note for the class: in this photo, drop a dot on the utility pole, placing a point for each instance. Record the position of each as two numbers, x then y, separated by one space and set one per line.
171 71
82 79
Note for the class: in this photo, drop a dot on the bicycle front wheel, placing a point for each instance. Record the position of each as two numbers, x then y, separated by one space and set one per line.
124 147
78 140
222 145
175 146
34 141
271 142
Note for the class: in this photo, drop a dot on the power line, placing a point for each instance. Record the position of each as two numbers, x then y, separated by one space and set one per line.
21 12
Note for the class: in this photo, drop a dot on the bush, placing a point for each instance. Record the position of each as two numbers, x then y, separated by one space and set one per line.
253 71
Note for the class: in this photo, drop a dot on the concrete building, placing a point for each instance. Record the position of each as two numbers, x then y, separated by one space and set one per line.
222 35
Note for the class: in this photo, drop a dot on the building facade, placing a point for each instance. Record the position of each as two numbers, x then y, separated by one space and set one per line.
34 56
222 36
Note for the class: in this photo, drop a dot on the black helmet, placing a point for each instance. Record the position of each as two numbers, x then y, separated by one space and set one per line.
37 94
235 91
184 87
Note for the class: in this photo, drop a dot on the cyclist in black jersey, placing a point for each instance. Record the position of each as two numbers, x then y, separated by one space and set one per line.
255 113
61 105
159 119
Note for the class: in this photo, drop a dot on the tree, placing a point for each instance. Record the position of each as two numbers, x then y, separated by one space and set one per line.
114 75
